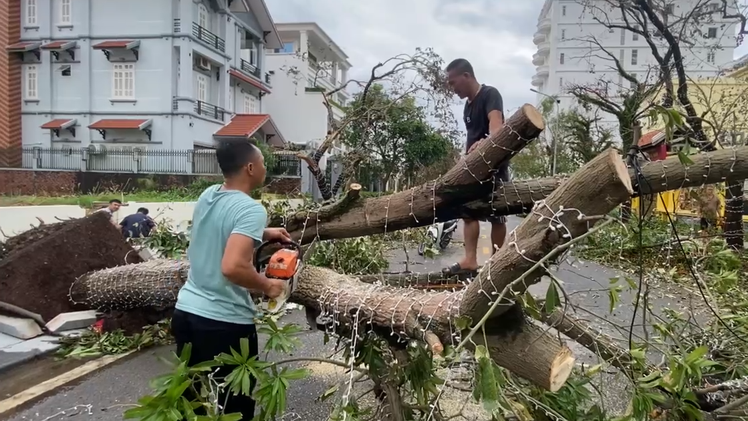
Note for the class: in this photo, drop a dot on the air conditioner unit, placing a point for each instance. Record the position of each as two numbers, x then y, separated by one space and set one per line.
203 63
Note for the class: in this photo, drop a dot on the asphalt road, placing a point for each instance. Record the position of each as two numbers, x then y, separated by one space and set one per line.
105 394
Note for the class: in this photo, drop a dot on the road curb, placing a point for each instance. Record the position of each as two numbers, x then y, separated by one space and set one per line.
48 385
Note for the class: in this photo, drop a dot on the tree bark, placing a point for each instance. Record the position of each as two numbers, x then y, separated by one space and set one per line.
521 347
468 180
594 190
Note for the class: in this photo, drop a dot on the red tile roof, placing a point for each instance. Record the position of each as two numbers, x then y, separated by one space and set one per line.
107 124
246 79
650 139
112 44
56 45
58 123
243 125
23 46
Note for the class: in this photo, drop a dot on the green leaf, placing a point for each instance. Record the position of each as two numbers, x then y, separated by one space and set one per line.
684 159
463 322
613 297
552 299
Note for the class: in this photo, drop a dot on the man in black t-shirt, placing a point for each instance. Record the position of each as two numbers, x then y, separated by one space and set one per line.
483 116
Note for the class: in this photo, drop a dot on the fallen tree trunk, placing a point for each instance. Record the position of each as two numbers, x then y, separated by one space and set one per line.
518 197
521 347
594 190
468 180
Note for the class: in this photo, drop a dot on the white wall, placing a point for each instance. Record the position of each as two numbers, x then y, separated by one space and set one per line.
16 219
299 115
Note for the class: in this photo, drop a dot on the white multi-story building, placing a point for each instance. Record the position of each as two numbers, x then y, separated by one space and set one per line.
309 63
566 56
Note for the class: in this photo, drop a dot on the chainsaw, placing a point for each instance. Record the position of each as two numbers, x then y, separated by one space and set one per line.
284 264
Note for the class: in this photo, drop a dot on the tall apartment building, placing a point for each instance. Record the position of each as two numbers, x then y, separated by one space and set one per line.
565 57
308 63
170 74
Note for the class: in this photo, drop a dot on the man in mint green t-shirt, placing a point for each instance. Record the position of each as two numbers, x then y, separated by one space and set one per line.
214 309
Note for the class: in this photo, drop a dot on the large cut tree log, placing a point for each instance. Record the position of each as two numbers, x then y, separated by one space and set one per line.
594 190
468 180
519 196
522 347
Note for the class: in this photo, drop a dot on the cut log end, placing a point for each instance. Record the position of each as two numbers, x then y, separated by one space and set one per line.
534 116
561 369
621 170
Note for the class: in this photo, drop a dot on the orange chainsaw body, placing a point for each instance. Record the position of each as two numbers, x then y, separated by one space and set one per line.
283 264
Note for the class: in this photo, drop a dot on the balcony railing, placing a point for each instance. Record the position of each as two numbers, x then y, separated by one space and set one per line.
210 110
208 37
250 68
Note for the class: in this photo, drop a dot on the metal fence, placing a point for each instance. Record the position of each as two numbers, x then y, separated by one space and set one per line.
140 160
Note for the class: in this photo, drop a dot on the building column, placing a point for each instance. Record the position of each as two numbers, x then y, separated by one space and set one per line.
185 84
343 75
303 43
334 71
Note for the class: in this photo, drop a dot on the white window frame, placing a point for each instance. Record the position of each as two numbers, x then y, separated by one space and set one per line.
561 58
201 87
710 57
31 13
250 104
203 17
563 34
563 10
66 12
634 57
123 74
31 82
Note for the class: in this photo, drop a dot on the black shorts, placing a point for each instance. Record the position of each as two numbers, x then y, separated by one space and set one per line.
500 176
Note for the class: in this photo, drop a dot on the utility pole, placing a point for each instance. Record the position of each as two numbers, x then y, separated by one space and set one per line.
554 142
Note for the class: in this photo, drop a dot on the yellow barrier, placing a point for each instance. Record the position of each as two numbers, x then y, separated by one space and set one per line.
678 202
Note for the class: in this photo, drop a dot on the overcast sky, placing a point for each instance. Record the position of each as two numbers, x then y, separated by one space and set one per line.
495 36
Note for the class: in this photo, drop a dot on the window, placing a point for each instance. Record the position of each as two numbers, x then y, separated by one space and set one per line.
31 12
711 33
66 70
31 82
713 7
634 57
623 36
636 36
201 88
287 48
253 54
202 16
710 57
561 58
563 34
66 15
560 82
563 10
669 8
621 56
123 84
250 104
611 30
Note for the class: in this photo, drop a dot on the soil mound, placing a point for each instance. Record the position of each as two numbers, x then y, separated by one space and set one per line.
36 274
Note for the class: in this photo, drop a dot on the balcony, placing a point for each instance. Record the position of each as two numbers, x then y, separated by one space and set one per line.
544 26
538 38
542 70
211 111
208 37
537 81
250 69
537 59
544 48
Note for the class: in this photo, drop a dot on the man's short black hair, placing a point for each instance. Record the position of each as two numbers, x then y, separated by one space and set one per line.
462 66
144 211
115 201
233 155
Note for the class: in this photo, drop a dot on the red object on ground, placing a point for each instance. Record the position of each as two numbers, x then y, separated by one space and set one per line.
98 327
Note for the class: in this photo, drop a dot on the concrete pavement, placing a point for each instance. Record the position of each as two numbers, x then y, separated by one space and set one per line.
105 394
